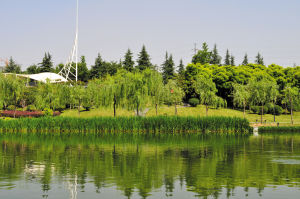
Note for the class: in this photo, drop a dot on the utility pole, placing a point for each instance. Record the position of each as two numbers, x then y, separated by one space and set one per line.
195 49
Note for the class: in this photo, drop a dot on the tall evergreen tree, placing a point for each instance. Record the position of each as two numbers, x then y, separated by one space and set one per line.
227 58
98 70
83 71
12 67
128 62
245 61
232 62
181 67
168 68
259 59
203 56
33 69
215 57
47 64
143 59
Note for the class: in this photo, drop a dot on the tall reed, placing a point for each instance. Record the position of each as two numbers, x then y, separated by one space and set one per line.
127 124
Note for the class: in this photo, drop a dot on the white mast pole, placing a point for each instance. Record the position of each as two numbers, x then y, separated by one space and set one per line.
77 16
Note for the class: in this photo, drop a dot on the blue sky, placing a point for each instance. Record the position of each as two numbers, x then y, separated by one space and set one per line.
30 28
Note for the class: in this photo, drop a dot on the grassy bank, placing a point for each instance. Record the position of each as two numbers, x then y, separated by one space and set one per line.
127 124
280 129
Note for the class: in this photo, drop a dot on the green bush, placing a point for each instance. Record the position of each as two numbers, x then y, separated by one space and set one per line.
194 102
11 108
31 108
255 109
278 110
48 112
265 110
270 107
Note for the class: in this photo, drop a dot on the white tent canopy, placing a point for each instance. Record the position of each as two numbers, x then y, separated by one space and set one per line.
44 77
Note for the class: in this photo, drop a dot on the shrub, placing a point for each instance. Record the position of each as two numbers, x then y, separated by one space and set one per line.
48 112
30 108
278 110
11 108
255 109
194 102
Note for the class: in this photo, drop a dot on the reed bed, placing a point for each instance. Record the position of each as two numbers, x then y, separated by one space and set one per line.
279 129
127 125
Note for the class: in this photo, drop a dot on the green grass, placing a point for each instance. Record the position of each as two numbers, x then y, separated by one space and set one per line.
100 112
127 124
280 129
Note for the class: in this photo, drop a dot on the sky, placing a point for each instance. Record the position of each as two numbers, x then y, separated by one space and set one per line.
109 27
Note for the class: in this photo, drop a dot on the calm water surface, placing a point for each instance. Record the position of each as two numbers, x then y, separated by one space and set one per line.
149 166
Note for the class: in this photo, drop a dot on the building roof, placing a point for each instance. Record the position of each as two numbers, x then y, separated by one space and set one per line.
44 77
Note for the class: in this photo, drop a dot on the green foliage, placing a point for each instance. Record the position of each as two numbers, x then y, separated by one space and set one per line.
215 57
181 67
33 69
47 64
255 109
48 112
128 62
143 61
168 68
227 58
83 71
279 129
245 60
259 59
11 108
194 102
98 69
31 108
203 56
12 67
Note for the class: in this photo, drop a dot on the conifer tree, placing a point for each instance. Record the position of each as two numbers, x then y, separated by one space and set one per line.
143 59
168 68
47 64
215 57
83 71
259 59
181 67
128 62
232 62
12 67
33 69
98 70
227 58
245 61
203 56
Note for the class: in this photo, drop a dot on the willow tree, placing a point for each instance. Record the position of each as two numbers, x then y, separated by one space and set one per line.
291 96
154 81
261 92
241 95
80 96
173 94
206 89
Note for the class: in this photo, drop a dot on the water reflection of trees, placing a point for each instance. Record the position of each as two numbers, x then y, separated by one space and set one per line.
205 164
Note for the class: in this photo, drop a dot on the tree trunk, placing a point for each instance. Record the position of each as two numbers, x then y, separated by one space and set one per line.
262 112
292 112
15 111
137 110
115 113
175 109
156 109
79 108
244 111
274 113
206 110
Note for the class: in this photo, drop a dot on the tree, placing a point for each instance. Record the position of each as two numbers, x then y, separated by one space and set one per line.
12 67
98 70
207 90
291 96
181 67
215 57
245 61
128 62
203 56
47 64
143 59
259 59
168 68
33 69
173 94
80 96
83 71
232 63
261 92
241 96
227 58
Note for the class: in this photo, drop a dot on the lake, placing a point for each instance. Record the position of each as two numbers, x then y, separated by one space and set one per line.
133 166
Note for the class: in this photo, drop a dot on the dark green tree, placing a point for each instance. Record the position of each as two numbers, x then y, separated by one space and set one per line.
47 64
245 61
259 59
143 59
83 71
128 62
232 62
168 68
98 70
181 67
12 67
227 58
33 69
203 56
215 57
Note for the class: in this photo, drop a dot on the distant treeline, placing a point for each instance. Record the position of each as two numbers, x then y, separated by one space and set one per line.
136 85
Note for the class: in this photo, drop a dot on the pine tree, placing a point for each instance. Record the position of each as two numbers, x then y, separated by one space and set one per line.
98 70
143 59
83 71
47 64
128 62
232 62
245 61
168 68
12 67
33 69
181 67
227 58
215 57
259 59
203 56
